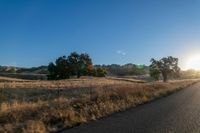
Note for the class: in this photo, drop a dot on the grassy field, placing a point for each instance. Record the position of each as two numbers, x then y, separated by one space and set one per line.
31 106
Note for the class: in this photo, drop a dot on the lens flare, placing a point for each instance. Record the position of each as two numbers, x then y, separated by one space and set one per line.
193 62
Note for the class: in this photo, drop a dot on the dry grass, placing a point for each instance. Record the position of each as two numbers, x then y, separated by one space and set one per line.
46 106
6 79
70 83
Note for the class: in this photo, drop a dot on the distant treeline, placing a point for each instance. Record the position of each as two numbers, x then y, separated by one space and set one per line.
81 65
125 70
189 74
112 70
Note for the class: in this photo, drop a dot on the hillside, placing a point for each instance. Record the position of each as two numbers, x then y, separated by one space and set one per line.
32 70
112 70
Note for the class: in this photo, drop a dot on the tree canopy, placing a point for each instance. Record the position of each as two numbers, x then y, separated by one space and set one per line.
167 67
73 65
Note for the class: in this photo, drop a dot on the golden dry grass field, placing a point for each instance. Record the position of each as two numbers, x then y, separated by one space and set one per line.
32 106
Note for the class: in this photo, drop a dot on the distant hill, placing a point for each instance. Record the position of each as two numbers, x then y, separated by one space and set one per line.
32 70
113 69
33 73
125 70
41 71
35 70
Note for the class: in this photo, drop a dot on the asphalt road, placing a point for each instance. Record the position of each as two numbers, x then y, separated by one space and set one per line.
177 113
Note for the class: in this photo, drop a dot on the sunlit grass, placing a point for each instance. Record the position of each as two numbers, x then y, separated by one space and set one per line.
44 106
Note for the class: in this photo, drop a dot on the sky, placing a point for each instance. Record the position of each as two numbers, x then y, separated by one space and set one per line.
36 32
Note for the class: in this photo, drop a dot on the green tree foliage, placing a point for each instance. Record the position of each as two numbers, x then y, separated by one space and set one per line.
80 64
154 70
59 70
74 64
167 67
62 68
52 71
73 59
100 72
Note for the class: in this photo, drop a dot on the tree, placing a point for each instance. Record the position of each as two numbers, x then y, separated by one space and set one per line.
52 71
62 68
80 64
59 70
167 66
73 59
74 64
101 72
154 70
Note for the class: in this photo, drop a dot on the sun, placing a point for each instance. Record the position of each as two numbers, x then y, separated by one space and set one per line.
193 62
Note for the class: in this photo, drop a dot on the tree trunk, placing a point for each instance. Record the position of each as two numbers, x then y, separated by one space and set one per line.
78 74
165 78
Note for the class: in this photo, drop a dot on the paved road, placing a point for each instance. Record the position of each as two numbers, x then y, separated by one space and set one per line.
177 113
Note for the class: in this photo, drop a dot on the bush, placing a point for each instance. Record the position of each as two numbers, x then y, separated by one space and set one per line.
101 72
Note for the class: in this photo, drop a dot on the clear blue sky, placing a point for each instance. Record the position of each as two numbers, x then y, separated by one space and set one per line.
33 33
